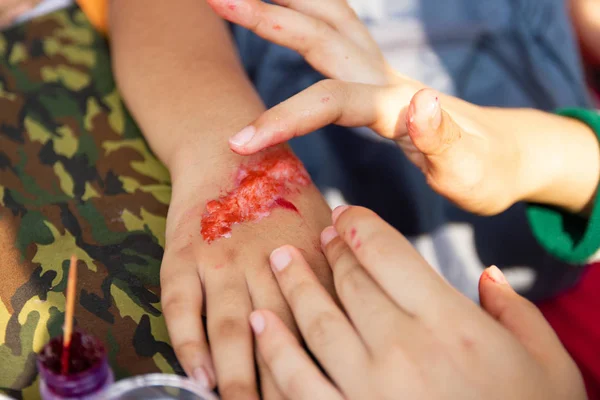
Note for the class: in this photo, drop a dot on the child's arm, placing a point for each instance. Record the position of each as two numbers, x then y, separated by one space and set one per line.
178 72
586 19
483 159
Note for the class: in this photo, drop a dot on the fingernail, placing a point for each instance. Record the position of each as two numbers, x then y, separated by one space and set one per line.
201 377
328 235
436 113
496 275
257 322
243 137
280 258
337 212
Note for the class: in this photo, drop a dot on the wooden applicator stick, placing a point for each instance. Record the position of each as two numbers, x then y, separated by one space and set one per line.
71 295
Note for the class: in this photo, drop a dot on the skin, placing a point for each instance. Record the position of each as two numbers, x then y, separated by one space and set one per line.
11 9
182 148
398 335
483 159
204 97
586 18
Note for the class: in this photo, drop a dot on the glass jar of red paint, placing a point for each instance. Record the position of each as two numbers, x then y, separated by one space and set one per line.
89 373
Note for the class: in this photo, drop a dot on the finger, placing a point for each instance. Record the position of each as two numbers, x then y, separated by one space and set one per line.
324 48
324 327
265 293
431 129
372 312
524 320
326 102
516 314
181 299
336 13
295 373
228 308
394 264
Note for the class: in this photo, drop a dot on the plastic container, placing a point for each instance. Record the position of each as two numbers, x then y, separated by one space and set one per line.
157 387
89 372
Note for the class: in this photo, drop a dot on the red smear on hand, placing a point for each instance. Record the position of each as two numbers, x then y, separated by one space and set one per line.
277 27
325 100
260 187
283 203
231 6
357 242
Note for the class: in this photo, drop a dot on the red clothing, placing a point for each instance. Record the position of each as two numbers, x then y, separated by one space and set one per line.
575 316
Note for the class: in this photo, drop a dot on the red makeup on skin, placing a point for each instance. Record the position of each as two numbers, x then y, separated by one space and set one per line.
259 187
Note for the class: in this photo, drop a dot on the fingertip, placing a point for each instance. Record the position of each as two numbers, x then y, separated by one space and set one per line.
236 11
494 289
198 363
257 322
493 275
205 378
339 210
424 112
243 138
328 235
496 275
281 257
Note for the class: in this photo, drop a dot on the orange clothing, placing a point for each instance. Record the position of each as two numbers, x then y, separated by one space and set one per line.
97 13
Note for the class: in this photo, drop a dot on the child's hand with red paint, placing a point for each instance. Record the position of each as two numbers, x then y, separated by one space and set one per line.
204 271
405 333
482 159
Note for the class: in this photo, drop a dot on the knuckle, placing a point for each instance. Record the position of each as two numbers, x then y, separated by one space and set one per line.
172 304
229 328
296 383
330 87
529 309
356 216
349 281
187 347
236 390
322 30
395 354
260 22
276 352
299 292
335 251
318 330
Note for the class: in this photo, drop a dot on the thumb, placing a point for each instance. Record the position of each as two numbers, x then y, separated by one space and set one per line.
518 315
431 129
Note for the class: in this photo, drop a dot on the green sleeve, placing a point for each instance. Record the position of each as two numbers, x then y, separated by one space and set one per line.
571 238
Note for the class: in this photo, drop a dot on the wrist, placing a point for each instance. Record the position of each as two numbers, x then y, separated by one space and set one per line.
206 148
561 162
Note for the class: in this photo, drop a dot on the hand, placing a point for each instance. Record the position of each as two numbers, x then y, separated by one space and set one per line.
10 10
469 166
328 35
229 278
405 332
482 159
586 20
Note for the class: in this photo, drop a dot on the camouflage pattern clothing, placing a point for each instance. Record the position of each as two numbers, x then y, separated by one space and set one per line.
76 177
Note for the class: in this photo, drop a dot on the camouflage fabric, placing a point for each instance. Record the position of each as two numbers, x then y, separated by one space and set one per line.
76 177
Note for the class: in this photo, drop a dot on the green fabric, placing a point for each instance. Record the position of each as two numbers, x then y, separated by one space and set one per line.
569 237
76 177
